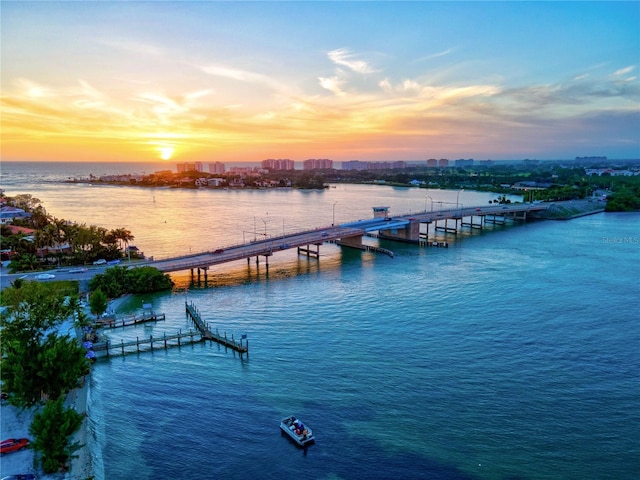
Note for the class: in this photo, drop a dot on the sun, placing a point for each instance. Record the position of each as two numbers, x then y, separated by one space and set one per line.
166 152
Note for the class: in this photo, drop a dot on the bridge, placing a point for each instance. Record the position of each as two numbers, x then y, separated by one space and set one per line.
404 227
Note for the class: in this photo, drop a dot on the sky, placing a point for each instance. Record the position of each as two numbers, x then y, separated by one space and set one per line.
242 81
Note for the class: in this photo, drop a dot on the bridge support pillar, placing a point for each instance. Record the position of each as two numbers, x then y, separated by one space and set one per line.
355 241
447 228
410 232
471 223
308 252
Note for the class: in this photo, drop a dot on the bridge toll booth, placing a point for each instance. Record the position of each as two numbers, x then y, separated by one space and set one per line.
380 212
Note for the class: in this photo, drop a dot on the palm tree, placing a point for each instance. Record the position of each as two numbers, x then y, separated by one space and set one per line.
122 235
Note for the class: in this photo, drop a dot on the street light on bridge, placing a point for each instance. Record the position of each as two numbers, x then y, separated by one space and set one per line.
458 197
334 214
425 203
265 227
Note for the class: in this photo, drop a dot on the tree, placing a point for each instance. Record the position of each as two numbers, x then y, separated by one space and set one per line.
32 364
117 281
51 429
98 302
24 262
61 362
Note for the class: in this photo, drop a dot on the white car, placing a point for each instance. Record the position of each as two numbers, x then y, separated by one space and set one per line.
45 276
101 261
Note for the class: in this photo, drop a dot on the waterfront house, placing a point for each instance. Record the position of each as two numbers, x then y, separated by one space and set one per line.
9 214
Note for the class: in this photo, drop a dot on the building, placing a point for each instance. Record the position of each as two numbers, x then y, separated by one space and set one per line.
609 171
216 167
443 162
583 160
354 165
278 164
215 182
399 165
358 165
464 163
241 170
317 163
9 214
189 167
432 163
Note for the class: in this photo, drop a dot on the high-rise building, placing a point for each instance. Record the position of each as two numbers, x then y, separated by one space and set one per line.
464 163
278 164
189 167
432 162
354 165
314 163
216 167
443 162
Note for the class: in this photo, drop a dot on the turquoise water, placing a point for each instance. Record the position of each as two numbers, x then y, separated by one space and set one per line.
513 354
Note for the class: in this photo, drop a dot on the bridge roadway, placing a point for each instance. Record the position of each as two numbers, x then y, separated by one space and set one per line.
346 232
341 232
258 248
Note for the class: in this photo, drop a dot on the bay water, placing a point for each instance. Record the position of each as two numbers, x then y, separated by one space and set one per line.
512 354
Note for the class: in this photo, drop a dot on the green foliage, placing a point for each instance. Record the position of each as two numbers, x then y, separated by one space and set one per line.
61 362
82 243
35 360
117 281
51 429
626 200
98 302
24 262
32 309
20 372
148 279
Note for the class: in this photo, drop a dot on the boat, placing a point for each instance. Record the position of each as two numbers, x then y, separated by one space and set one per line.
298 431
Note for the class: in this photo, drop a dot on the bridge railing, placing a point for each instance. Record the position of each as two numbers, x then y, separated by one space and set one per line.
291 233
264 241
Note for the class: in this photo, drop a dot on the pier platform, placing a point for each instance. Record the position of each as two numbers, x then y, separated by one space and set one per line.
208 334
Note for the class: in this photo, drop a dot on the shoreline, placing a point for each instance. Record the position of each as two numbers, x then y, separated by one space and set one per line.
14 423
82 465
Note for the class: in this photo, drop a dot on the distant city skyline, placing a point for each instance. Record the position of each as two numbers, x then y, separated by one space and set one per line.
241 81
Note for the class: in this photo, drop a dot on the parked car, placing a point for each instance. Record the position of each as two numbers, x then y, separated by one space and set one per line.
114 262
13 445
100 261
45 276
20 476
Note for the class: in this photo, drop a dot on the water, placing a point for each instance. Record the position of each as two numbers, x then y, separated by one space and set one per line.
513 354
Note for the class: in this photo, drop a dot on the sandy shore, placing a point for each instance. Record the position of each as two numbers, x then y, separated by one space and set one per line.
14 423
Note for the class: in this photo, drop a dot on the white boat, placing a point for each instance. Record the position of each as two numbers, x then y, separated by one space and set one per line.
298 431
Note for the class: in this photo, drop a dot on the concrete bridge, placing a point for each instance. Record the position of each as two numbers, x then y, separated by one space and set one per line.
405 228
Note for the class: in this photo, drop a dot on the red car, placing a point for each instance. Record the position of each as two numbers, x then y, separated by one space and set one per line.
13 445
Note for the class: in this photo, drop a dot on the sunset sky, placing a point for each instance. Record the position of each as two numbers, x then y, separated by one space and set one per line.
245 81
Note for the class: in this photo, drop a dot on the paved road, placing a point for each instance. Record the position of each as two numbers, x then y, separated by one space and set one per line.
271 245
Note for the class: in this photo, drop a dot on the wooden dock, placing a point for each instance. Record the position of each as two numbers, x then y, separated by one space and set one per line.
147 344
131 320
207 334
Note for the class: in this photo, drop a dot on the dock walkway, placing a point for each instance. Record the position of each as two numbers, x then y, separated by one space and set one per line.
207 334
131 320
142 345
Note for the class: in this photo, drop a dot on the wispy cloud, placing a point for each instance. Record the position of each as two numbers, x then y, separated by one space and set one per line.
624 71
433 55
333 84
143 49
246 76
345 58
